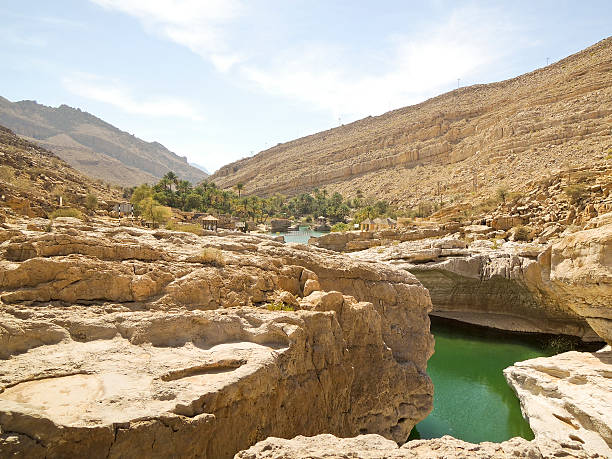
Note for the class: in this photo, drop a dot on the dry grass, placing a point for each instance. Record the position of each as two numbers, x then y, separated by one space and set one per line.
185 228
212 256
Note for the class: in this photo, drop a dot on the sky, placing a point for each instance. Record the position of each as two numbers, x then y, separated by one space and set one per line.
220 80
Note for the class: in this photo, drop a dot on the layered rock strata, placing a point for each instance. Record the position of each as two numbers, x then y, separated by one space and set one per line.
507 287
557 116
124 342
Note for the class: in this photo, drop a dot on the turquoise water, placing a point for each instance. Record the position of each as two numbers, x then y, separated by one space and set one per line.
300 236
472 400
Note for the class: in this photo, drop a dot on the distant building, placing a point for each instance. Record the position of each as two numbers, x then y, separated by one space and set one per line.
210 223
378 224
241 226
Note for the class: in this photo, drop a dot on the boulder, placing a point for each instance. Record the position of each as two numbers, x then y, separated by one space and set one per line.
567 401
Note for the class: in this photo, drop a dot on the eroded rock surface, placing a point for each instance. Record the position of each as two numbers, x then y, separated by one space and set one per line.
125 342
376 447
581 270
568 401
505 287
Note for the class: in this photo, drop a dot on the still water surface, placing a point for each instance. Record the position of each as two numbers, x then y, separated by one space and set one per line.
300 236
472 400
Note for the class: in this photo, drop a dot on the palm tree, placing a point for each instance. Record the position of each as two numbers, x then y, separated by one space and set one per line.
239 187
172 178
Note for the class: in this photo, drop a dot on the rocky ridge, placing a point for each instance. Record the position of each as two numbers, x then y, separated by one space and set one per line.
473 138
32 179
125 342
94 146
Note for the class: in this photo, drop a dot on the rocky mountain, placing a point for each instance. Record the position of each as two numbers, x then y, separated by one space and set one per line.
94 146
32 179
471 139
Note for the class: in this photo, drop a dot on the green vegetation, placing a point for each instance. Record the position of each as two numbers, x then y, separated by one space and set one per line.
66 212
278 306
502 194
206 197
338 227
91 202
576 192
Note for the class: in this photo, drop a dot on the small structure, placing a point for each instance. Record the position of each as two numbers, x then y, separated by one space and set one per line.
322 224
124 209
241 226
377 224
210 223
366 225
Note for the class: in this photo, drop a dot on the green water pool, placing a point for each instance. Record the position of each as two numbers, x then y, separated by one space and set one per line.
472 400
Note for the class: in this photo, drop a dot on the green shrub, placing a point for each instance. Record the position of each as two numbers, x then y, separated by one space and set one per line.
278 306
502 193
576 193
338 227
562 343
66 212
91 202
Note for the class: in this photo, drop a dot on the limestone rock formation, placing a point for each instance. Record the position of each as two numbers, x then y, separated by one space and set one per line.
507 287
480 136
581 269
376 447
125 342
568 401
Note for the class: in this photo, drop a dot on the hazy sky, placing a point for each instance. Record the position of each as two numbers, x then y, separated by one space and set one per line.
218 80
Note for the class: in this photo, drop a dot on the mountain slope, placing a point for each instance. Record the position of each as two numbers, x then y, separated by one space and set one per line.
92 145
32 179
473 138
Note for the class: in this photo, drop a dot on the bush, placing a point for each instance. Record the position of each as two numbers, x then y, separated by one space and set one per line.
502 193
562 343
91 202
212 256
340 227
66 212
576 193
7 173
278 306
521 233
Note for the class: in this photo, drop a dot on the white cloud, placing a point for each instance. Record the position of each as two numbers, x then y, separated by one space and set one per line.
408 72
196 24
111 92
335 78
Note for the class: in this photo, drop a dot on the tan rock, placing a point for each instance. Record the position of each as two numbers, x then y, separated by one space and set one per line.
581 270
567 400
376 447
121 342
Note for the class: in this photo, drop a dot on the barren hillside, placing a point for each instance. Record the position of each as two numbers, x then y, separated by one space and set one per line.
94 146
32 179
475 138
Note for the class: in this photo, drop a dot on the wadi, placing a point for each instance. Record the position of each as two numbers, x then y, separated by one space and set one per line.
432 282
